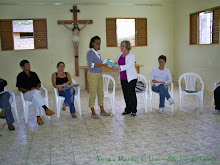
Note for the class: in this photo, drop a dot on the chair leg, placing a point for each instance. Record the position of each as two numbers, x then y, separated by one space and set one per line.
198 100
152 100
212 102
201 102
113 101
26 114
16 113
79 105
112 104
181 104
59 108
145 102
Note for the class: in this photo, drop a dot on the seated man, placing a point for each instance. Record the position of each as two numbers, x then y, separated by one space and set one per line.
6 106
29 83
217 100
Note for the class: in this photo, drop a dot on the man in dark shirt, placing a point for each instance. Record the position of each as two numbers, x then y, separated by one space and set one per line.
6 106
29 83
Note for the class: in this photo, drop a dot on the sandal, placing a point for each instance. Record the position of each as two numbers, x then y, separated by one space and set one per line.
2 114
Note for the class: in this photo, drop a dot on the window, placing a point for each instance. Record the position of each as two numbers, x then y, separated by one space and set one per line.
124 33
132 29
23 34
20 34
204 26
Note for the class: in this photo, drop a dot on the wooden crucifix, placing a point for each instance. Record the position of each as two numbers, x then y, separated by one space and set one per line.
76 32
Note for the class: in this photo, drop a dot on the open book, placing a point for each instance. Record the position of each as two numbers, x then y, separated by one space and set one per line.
69 86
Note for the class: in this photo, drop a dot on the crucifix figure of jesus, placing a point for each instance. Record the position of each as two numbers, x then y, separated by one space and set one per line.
76 33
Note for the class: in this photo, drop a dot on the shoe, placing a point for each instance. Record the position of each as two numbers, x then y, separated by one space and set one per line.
133 114
40 121
63 109
49 112
73 115
160 110
216 112
171 101
105 114
95 116
2 114
125 113
11 127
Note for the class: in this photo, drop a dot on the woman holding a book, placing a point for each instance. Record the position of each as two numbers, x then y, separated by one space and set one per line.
60 80
128 76
95 77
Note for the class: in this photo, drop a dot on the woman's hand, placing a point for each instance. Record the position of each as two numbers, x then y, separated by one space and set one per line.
59 87
105 65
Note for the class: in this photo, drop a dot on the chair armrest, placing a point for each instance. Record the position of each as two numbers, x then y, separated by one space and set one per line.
45 90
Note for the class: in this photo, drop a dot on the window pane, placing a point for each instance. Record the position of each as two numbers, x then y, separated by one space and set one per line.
205 27
23 34
125 30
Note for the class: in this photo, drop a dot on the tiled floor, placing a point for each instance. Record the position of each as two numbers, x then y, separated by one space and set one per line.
148 138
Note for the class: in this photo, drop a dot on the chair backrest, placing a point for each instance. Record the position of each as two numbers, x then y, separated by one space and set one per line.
142 78
216 85
22 97
73 81
56 92
106 82
190 80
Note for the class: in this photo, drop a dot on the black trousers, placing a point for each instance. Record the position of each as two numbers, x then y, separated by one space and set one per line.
217 98
130 95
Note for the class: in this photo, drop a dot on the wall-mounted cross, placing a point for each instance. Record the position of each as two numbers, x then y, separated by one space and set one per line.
76 32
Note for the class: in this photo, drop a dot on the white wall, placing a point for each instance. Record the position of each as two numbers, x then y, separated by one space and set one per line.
201 59
43 62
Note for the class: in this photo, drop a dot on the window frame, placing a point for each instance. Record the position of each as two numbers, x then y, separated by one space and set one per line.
40 34
111 34
194 27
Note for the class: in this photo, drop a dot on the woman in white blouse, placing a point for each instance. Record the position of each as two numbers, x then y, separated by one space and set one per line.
160 77
128 76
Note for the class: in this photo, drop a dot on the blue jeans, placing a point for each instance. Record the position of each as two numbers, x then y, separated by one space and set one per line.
69 98
4 104
163 92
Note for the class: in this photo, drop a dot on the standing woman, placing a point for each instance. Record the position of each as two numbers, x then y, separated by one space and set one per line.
128 76
95 77
59 79
161 77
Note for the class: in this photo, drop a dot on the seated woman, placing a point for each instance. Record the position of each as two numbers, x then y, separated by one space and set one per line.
160 77
217 100
59 80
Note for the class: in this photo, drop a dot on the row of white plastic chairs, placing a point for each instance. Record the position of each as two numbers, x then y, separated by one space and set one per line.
190 82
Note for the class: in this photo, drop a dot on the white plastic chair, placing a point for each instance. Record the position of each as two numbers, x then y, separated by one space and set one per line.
215 86
60 99
26 104
142 78
14 105
106 81
152 94
190 83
